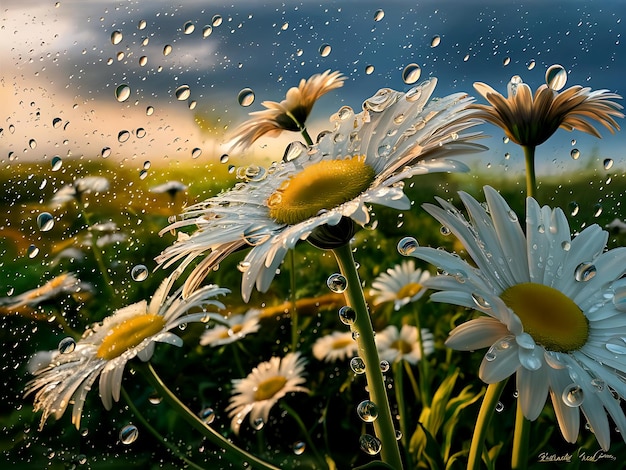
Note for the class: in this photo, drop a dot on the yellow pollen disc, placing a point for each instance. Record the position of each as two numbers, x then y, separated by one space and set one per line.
342 343
402 346
268 388
129 334
323 185
409 290
549 316
233 330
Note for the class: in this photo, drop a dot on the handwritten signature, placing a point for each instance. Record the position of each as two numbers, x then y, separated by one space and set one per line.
581 455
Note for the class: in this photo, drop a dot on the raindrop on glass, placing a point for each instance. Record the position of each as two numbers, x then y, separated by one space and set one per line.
56 122
575 154
246 97
337 283
299 447
207 415
45 221
195 153
369 444
607 163
597 210
188 27
367 411
129 434
584 272
66 345
32 143
182 92
106 152
531 64
407 245
149 111
167 50
379 15
143 60
224 158
347 315
116 37
556 77
369 69
617 345
258 424
122 93
573 208
506 61
139 273
573 395
123 136
216 20
56 162
206 31
325 50
142 24
32 251
411 73
357 365
435 41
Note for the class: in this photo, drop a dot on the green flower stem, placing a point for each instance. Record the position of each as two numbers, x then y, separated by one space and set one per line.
411 376
175 450
294 415
422 365
306 136
531 182
487 408
398 376
233 453
519 458
383 425
295 337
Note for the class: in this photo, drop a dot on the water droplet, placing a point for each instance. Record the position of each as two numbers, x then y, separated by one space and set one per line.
325 50
384 366
66 345
379 15
337 283
129 434
56 122
32 251
411 73
106 152
182 92
122 93
347 315
369 444
207 415
357 365
116 37
398 434
32 143
367 411
195 153
188 27
608 163
149 111
556 77
435 41
167 50
573 395
143 60
45 221
299 447
216 20
598 384
206 31
445 231
243 266
246 97
584 272
573 208
480 302
123 136
597 210
566 245
531 64
506 61
407 245
369 69
140 132
139 273
575 154
224 158
258 424
499 407
491 355
56 162
155 398
616 344
142 24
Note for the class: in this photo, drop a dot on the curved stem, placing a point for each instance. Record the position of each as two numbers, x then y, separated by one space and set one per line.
519 458
531 182
294 415
398 376
487 408
306 136
295 337
233 453
383 426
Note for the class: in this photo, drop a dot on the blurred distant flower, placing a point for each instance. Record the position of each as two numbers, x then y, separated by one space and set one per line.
403 345
263 387
555 308
401 285
617 226
105 349
363 161
170 187
106 233
63 284
337 346
71 254
231 329
290 114
80 186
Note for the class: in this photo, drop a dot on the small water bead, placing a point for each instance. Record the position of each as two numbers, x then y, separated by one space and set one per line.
106 152
216 20
616 344
45 221
597 210
246 97
347 315
499 407
299 447
325 50
379 15
207 415
195 153
573 395
369 444
143 60
367 411
155 398
566 245
384 366
355 335
411 73
188 27
167 50
556 77
139 273
140 132
607 163
116 37
531 64
445 231
407 245
123 136
147 164
573 208
149 111
32 251
369 69
598 384
337 283
66 345
357 365
575 154
435 41
584 272
506 61
480 301
182 92
142 24
258 424
206 31
32 143
56 122
128 434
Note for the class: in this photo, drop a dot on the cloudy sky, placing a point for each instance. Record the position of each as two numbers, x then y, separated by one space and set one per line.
63 61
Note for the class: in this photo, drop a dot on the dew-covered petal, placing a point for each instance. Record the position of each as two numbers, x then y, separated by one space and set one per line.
567 417
502 366
532 387
476 334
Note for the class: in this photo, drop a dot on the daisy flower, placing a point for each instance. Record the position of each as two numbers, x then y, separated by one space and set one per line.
337 346
363 161
231 329
80 186
401 285
63 284
105 348
263 387
403 345
554 308
290 114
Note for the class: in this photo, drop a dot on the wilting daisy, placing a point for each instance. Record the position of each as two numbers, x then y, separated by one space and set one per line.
231 329
105 348
263 387
554 308
290 114
401 285
337 346
63 284
403 345
363 161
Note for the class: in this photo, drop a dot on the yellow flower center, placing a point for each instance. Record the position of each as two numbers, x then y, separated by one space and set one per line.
548 315
323 185
129 334
409 290
402 346
233 330
341 343
268 388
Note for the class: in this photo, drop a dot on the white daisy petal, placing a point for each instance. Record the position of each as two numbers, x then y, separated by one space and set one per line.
476 334
532 389
502 366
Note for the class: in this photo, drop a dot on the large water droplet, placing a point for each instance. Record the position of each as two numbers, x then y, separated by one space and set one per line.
407 245
299 447
573 395
584 272
573 208
139 273
499 407
142 24
116 37
167 49
556 77
411 73
258 424
325 50
531 64
32 251
616 344
347 315
575 154
122 93
45 221
56 122
207 415
56 162
206 31
608 163
182 92
379 15
435 41
32 143
597 210
367 411
129 434
369 444
480 301
216 20
337 283
246 97
384 366
369 69
196 152
357 365
188 27
67 345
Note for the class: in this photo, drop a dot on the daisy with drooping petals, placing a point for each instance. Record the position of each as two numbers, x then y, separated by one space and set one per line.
63 284
337 346
554 306
263 387
105 348
404 345
401 285
231 329
363 161
288 115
